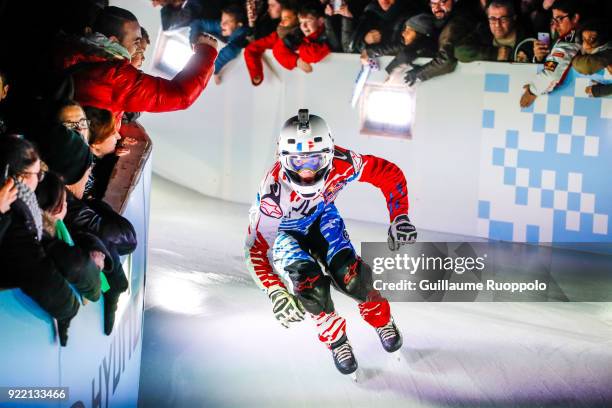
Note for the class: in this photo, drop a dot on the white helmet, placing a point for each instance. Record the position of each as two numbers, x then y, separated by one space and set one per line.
306 151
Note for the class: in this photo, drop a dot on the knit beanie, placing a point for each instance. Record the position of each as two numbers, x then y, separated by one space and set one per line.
422 24
66 153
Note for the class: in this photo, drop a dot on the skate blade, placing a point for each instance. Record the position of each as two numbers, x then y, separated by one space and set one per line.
355 376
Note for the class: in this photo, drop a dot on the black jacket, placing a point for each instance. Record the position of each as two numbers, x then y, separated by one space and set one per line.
75 264
116 233
459 24
25 264
389 23
423 47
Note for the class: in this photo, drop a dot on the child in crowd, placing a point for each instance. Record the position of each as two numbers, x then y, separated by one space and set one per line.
230 29
287 33
418 40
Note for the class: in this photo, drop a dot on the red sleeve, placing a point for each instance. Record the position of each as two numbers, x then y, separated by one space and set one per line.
284 55
135 91
254 52
390 180
312 52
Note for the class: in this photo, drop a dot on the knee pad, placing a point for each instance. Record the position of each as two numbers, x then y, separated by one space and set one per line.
351 275
310 286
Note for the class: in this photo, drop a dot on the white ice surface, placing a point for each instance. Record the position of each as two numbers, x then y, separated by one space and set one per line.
210 338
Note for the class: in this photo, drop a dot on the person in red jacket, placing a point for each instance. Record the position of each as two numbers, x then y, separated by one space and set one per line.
287 30
104 78
290 51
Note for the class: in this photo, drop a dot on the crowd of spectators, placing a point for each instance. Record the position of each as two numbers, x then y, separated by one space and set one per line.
62 109
301 33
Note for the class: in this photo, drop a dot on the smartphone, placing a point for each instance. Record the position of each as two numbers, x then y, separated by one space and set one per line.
544 38
336 4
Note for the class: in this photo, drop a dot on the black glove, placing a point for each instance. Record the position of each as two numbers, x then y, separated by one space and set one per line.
62 331
411 77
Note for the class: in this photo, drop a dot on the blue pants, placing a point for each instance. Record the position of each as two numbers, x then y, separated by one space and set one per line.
322 240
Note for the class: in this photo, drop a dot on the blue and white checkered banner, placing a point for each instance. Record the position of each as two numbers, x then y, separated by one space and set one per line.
545 170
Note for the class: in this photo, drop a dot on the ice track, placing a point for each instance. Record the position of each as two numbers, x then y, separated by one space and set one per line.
210 339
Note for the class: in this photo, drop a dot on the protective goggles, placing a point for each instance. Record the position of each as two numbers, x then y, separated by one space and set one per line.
303 162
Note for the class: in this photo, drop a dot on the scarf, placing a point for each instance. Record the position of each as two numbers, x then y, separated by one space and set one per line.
28 197
111 48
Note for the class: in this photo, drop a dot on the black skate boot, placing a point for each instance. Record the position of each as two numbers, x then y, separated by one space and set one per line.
344 359
390 336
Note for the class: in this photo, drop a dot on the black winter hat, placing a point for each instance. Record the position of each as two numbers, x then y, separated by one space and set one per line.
66 153
422 24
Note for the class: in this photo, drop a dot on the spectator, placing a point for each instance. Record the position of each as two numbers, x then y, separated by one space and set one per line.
339 25
70 157
180 13
72 116
263 17
103 141
417 41
596 49
230 29
103 77
103 136
455 22
564 22
25 262
499 40
287 32
80 260
312 47
381 22
139 56
596 55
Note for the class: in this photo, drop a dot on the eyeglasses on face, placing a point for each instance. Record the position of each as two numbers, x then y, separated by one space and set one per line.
80 124
558 19
500 20
436 2
40 174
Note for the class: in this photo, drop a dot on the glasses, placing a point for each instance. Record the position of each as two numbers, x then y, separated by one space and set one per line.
81 124
435 2
557 20
40 174
500 20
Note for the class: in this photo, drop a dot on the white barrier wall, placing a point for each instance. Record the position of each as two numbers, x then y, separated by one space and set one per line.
99 371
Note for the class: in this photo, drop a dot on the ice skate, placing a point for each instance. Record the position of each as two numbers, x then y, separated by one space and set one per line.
390 336
344 359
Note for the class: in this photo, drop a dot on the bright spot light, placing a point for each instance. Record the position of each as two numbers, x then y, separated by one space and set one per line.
387 110
389 107
175 54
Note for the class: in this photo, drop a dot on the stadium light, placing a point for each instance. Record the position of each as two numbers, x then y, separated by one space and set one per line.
387 110
172 51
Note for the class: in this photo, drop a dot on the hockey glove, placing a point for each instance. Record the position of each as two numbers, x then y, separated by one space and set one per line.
287 309
401 232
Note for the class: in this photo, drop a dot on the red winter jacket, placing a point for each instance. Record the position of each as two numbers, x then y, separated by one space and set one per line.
311 50
254 52
117 86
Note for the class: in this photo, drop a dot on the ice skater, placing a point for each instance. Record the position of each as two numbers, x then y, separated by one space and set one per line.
295 226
